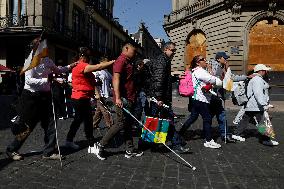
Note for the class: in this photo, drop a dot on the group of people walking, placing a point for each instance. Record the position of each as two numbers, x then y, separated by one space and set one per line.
131 85
209 99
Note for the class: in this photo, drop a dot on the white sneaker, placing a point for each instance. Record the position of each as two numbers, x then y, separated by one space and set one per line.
72 145
236 122
270 106
211 144
239 138
270 143
92 150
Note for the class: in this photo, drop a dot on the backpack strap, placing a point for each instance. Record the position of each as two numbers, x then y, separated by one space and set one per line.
246 85
195 87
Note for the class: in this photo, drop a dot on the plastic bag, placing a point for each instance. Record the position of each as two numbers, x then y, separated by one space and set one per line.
264 127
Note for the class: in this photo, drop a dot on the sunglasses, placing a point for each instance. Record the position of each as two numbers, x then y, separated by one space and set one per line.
202 59
173 50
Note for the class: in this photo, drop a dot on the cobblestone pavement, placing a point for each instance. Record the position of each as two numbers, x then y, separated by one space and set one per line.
241 165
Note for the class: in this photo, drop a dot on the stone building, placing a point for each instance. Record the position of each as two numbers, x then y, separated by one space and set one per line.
251 31
150 47
67 23
160 42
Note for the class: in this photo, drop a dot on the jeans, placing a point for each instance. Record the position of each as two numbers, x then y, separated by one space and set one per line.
201 108
217 109
157 111
36 107
240 115
140 105
122 121
83 113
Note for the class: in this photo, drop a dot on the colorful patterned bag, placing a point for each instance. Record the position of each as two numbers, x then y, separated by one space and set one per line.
159 127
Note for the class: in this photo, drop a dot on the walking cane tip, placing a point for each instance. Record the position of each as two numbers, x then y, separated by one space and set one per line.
193 168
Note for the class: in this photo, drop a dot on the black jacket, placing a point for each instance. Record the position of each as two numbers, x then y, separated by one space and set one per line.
160 85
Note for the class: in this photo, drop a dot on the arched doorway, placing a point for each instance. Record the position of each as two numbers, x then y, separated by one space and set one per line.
195 45
266 44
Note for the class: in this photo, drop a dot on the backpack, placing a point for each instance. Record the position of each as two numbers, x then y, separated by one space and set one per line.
239 95
186 88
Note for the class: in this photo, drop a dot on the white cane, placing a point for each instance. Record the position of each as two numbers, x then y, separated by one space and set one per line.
55 124
225 122
65 99
192 167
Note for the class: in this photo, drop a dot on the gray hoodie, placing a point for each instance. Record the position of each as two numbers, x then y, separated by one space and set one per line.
257 93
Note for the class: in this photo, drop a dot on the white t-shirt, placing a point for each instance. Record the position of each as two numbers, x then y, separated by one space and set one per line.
106 78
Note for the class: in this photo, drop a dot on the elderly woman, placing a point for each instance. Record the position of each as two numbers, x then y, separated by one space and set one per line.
258 103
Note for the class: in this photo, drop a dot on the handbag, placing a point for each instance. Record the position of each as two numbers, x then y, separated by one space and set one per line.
159 127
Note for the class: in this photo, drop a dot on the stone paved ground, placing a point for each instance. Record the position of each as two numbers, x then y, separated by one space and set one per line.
235 166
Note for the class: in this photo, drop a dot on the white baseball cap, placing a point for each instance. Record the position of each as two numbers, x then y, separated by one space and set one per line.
260 67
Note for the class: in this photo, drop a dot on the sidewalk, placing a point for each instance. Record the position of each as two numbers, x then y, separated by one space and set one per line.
244 165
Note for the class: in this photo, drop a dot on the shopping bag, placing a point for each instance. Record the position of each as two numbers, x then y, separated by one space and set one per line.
264 127
159 128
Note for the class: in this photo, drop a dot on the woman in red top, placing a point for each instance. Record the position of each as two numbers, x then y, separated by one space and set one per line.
83 83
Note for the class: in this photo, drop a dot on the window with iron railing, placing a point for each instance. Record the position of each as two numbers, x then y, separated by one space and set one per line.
103 38
16 15
92 33
59 15
77 14
17 9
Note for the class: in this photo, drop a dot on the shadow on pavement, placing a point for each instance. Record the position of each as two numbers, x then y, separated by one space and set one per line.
4 162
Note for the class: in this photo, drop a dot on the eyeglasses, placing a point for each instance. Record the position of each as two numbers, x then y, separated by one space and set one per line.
202 59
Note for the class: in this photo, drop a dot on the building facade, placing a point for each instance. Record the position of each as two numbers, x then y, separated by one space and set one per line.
160 42
251 31
67 24
150 47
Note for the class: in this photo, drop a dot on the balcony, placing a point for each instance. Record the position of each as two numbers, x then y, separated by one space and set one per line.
13 21
186 11
95 6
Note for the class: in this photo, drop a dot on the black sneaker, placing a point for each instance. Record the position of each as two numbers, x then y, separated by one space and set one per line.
134 153
14 156
180 149
100 152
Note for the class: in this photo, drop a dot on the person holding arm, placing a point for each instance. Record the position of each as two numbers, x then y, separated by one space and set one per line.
83 83
218 69
201 99
36 106
124 97
257 92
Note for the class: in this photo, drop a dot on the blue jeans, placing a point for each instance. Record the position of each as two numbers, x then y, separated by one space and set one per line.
141 105
156 111
217 109
201 108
